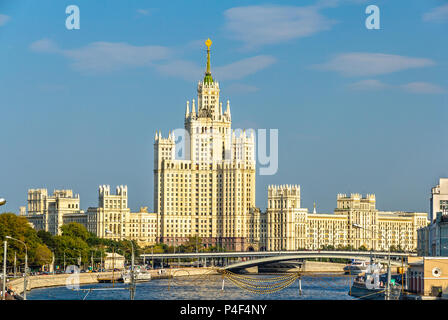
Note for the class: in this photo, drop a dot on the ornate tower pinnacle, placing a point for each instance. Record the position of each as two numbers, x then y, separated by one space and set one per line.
208 74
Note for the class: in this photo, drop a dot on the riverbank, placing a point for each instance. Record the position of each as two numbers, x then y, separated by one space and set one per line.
57 280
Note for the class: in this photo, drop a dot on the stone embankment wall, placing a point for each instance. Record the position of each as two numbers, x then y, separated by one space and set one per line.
316 266
43 281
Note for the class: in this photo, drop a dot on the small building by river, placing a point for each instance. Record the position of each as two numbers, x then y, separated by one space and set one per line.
428 276
113 261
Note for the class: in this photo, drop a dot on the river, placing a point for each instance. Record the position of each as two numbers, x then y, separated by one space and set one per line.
314 287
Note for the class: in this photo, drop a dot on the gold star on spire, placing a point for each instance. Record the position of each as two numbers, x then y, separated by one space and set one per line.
208 43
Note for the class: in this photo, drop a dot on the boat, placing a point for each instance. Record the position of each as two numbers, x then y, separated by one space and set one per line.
109 279
359 289
356 267
139 276
372 285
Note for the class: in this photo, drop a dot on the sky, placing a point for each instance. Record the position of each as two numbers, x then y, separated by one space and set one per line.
357 110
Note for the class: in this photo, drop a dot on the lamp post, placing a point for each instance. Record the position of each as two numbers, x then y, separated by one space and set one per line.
132 284
5 247
2 202
388 258
25 279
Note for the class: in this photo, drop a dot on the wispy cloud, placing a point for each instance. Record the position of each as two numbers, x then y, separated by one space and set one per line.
4 19
144 12
369 64
423 87
243 68
235 70
181 69
238 88
438 14
109 56
263 25
369 84
105 56
411 87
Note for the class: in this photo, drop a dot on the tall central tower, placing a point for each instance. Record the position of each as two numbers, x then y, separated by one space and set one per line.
211 191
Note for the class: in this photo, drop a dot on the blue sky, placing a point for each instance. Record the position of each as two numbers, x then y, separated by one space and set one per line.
357 110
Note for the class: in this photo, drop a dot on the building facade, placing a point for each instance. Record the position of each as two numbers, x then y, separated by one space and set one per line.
210 191
49 212
439 199
433 239
355 222
113 219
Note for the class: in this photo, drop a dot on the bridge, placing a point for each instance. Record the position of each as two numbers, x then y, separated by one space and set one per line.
255 258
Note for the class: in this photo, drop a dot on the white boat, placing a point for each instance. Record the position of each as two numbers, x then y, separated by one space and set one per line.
356 267
139 276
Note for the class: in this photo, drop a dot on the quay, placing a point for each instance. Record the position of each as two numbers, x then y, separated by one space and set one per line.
57 280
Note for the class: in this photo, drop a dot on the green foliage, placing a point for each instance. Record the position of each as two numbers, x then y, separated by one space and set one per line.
46 238
43 255
75 230
19 228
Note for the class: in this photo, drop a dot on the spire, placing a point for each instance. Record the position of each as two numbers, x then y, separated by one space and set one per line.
193 108
228 108
314 210
208 74
187 111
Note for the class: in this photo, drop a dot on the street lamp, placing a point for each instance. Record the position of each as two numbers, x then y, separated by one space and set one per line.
132 285
2 201
388 257
25 280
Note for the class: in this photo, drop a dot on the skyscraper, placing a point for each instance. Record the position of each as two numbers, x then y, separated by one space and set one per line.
209 191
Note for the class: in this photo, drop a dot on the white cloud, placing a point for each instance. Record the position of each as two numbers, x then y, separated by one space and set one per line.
109 56
144 12
422 87
368 64
4 19
439 14
243 68
105 56
182 69
236 70
411 87
262 25
44 45
237 88
369 84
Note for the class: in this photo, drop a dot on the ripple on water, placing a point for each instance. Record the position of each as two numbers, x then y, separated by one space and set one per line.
322 287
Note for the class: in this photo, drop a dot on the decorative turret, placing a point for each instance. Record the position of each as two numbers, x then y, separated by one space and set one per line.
187 110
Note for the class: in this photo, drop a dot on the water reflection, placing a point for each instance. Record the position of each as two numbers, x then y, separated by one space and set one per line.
316 287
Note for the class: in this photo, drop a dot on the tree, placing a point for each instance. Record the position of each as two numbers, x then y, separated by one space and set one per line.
43 255
46 238
75 230
19 228
193 244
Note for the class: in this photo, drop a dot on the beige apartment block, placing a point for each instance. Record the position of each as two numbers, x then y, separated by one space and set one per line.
290 227
210 192
112 219
50 212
